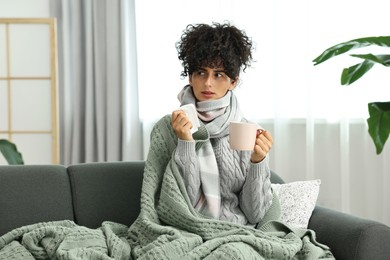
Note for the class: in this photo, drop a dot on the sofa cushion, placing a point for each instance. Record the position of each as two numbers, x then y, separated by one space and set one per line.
297 201
108 191
37 193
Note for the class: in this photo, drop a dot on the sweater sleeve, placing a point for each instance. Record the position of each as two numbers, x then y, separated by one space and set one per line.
256 193
188 163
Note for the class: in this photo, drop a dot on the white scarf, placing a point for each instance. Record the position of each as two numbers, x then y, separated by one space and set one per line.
216 114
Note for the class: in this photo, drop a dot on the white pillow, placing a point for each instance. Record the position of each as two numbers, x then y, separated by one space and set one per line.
297 201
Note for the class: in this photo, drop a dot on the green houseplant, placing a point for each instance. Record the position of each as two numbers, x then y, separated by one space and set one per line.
379 112
10 152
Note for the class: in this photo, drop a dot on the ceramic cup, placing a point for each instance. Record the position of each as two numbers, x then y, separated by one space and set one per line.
242 136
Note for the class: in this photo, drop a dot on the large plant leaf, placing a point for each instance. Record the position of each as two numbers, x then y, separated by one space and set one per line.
344 47
355 72
383 59
379 123
10 152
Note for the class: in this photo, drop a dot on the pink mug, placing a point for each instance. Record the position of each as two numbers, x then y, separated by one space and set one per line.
242 135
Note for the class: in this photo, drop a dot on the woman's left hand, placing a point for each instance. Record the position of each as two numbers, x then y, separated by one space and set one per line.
263 145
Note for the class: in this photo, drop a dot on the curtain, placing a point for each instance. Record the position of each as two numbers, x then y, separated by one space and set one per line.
93 83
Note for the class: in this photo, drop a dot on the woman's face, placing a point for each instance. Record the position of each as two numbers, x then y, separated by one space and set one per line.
210 83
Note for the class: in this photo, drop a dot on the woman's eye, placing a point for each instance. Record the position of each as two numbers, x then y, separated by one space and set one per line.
219 75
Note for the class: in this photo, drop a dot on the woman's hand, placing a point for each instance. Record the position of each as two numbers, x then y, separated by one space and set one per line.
262 147
182 125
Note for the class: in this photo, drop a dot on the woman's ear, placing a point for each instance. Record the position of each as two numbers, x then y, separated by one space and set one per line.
233 83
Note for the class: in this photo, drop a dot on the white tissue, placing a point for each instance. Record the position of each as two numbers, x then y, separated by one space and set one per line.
192 115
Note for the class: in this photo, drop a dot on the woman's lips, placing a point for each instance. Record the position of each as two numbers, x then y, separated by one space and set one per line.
207 93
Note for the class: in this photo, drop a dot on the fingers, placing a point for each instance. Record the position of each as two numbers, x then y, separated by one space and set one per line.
180 120
264 140
262 147
267 134
181 125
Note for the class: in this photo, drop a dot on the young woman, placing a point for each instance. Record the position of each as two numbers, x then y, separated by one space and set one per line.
222 183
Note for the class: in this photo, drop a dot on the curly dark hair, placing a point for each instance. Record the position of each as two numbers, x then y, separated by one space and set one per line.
216 45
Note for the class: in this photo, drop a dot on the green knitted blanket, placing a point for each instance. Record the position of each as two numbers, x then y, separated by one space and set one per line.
65 240
169 228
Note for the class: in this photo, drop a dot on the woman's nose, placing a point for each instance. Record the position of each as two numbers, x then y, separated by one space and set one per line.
208 80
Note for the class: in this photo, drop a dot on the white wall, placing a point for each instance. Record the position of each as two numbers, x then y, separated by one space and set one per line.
24 8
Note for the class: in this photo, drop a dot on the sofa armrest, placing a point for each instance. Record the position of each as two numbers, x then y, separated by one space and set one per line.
350 237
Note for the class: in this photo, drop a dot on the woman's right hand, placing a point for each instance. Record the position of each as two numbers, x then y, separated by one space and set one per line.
182 125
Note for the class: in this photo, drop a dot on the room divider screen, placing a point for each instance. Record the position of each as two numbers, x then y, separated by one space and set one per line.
29 88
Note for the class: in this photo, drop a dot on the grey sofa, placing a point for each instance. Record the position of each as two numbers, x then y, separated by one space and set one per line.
94 192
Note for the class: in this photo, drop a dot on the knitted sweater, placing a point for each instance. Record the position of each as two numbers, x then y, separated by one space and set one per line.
245 187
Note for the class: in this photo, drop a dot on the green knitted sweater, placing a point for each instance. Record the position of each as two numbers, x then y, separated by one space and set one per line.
169 228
